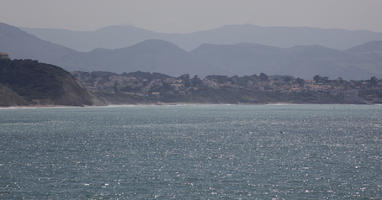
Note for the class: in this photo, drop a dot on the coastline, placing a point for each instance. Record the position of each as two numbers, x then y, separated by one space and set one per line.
171 104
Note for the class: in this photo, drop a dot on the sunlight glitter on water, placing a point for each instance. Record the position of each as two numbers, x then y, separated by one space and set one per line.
192 152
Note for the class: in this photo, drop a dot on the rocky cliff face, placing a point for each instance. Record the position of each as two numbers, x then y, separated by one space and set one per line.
28 82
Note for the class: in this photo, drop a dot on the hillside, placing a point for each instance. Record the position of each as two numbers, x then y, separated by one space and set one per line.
372 46
144 87
27 82
21 45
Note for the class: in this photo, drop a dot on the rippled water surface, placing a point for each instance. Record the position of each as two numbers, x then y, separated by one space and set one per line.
192 152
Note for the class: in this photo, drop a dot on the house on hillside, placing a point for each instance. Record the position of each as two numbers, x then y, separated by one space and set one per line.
4 55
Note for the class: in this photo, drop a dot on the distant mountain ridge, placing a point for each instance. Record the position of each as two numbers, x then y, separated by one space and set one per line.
373 46
238 59
114 37
19 44
150 55
223 59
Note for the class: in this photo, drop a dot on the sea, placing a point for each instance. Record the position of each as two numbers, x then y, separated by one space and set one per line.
192 152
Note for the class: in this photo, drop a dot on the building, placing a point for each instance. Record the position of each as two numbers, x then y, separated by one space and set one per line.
4 55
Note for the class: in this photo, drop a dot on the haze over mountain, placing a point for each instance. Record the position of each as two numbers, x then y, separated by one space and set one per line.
301 61
239 59
113 37
20 44
148 56
359 62
369 47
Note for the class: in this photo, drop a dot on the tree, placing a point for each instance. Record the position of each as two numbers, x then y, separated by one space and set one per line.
116 87
340 80
300 81
320 79
186 80
287 78
373 81
316 78
263 77
196 81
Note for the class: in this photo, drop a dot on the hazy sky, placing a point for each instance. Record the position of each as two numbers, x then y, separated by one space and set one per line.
192 15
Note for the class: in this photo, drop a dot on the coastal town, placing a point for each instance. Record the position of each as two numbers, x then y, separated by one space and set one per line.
144 87
107 88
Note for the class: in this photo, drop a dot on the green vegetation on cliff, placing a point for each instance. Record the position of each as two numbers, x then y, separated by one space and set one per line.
28 82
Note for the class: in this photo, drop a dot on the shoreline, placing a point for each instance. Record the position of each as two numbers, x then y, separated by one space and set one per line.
171 104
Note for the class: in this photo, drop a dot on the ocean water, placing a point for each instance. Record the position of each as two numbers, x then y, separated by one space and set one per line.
192 152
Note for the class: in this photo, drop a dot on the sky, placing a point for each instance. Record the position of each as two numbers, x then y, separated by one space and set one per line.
175 16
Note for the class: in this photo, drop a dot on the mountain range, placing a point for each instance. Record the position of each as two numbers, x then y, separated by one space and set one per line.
19 44
115 37
154 55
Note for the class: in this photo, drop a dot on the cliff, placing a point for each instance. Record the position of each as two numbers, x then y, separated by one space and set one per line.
28 82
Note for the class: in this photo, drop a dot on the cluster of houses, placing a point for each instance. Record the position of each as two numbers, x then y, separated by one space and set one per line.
4 55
